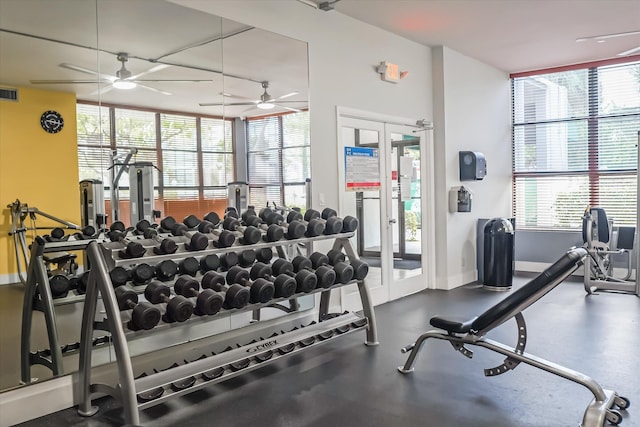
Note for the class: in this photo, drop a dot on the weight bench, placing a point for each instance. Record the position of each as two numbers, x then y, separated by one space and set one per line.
473 331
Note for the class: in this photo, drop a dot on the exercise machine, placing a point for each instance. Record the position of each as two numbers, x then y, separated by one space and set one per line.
237 195
92 203
141 192
602 244
473 331
140 187
19 213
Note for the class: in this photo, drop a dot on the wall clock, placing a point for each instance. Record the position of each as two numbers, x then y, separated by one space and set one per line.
51 121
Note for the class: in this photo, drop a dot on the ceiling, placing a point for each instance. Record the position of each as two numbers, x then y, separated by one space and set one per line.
511 35
85 37
228 57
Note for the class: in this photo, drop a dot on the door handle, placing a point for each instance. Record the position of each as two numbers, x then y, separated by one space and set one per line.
393 221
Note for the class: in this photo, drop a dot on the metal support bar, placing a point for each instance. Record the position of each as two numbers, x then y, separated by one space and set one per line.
99 281
37 280
596 412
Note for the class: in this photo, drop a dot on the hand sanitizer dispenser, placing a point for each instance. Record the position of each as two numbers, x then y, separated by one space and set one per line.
459 199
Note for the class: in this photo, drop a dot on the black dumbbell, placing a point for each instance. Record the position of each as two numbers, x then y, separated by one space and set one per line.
326 275
344 271
117 226
360 268
273 232
293 229
250 234
247 258
235 295
82 284
349 223
248 213
166 270
221 238
143 315
167 224
189 266
264 255
179 309
284 285
197 240
228 260
119 276
167 245
87 232
57 234
141 226
208 302
260 290
209 262
314 227
305 281
265 212
333 225
141 274
59 285
132 249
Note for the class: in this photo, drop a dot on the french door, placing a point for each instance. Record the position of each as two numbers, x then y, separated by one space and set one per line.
395 221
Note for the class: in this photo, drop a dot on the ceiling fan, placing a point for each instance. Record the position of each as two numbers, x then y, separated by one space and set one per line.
122 80
266 101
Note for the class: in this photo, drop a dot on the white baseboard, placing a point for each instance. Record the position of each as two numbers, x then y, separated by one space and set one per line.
9 279
36 400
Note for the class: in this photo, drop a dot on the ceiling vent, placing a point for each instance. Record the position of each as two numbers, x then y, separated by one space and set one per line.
8 94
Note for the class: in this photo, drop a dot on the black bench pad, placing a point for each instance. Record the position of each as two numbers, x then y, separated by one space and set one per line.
519 299
452 325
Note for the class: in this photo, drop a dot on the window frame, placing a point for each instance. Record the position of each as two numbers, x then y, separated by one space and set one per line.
593 118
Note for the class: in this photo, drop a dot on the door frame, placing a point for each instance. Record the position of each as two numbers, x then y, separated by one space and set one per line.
394 124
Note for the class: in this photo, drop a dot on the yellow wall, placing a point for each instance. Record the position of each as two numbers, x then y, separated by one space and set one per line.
39 168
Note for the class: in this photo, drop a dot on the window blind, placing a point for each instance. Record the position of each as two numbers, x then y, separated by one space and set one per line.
278 159
574 144
195 154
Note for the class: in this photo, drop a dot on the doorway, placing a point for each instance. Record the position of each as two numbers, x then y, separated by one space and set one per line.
395 221
406 203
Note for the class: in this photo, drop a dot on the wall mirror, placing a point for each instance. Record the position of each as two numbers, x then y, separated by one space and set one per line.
140 69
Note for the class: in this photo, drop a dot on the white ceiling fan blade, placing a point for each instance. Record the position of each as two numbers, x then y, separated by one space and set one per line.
229 95
222 104
153 89
630 51
53 82
285 96
88 71
103 89
150 70
170 80
288 108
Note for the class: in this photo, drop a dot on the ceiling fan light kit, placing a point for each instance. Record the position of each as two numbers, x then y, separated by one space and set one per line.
124 84
265 105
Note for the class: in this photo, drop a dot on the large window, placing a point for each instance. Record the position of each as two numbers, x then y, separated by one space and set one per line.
278 160
193 156
574 144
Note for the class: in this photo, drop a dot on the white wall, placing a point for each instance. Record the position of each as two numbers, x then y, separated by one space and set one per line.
472 113
343 53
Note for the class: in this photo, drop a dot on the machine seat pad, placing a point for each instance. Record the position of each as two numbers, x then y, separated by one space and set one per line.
58 257
452 326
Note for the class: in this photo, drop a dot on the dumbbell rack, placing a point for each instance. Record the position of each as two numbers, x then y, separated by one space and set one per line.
38 297
212 369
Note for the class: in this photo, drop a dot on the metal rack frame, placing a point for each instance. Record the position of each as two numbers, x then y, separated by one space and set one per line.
212 369
37 297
